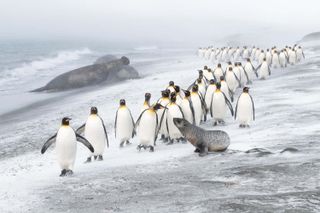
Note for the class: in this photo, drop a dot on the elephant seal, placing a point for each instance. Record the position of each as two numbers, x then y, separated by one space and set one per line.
112 71
203 140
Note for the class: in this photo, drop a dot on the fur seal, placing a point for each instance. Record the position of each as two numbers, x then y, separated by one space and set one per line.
204 141
112 71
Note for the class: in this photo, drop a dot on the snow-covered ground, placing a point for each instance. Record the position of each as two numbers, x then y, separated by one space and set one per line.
173 178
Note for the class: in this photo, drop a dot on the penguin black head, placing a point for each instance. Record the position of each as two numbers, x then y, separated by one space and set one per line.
177 88
239 63
264 59
186 93
219 65
165 93
246 89
205 67
195 88
218 85
221 78
122 102
173 98
171 83
212 81
94 111
248 59
199 80
147 96
229 63
200 72
157 106
230 68
65 121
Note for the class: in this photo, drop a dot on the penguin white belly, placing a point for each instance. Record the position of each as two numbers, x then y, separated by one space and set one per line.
275 61
243 77
244 109
231 81
250 72
185 107
282 60
209 93
124 126
66 147
163 127
173 112
236 71
292 58
202 89
225 90
299 55
197 106
264 72
268 58
245 54
208 75
94 133
218 73
261 57
218 106
147 128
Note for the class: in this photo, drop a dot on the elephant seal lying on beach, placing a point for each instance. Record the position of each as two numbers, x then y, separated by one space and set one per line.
111 71
204 141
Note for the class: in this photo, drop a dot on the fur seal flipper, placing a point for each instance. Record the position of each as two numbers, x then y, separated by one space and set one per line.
204 141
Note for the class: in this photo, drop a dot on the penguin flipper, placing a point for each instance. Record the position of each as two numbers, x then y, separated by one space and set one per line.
156 130
80 130
133 124
269 70
48 143
115 124
236 109
139 118
228 104
192 111
84 142
253 109
105 131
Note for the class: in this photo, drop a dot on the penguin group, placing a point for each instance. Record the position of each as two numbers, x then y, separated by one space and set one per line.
212 94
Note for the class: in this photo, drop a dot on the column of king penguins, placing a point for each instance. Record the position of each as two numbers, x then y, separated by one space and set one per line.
214 96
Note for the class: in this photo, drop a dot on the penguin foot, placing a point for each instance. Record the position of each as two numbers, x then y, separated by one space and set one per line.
63 173
88 160
128 142
215 123
121 144
166 139
100 158
197 150
183 140
151 149
69 172
170 142
163 137
95 157
139 147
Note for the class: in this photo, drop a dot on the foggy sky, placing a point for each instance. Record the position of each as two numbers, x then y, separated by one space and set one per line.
157 20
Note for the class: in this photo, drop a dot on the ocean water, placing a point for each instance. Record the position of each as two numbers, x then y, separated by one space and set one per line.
26 65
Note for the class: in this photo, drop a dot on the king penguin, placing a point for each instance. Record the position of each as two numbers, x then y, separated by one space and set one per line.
245 112
173 111
210 90
124 124
198 105
148 126
95 131
66 146
232 80
263 70
164 101
219 105
187 107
